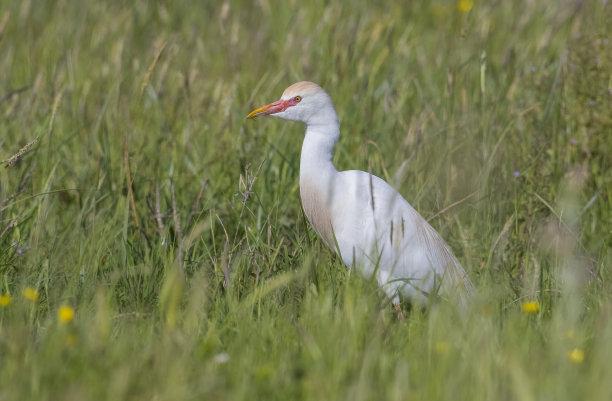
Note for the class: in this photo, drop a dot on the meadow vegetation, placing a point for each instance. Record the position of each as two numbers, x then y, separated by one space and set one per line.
152 242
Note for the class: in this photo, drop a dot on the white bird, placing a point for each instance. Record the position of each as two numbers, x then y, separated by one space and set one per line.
361 217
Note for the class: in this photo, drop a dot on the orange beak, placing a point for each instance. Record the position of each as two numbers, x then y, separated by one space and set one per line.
276 107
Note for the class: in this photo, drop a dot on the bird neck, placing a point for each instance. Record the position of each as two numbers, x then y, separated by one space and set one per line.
318 178
316 158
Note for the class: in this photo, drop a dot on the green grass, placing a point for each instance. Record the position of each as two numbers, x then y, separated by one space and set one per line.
211 285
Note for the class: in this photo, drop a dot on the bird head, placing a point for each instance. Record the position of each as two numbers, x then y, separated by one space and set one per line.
302 101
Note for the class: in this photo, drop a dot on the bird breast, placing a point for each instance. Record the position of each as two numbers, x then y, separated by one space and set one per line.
317 210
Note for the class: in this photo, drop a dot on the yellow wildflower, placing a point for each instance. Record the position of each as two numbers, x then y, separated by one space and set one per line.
30 293
465 5
530 307
442 347
576 355
5 300
65 314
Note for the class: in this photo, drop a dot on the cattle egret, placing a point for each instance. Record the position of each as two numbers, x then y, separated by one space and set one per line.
361 217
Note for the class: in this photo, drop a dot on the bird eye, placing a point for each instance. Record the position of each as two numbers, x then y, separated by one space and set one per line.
297 99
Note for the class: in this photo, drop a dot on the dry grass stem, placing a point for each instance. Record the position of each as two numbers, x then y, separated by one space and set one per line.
13 160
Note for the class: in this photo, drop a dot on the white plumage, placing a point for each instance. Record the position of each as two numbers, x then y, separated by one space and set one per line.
361 217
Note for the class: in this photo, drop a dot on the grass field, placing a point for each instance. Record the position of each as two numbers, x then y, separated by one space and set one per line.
152 242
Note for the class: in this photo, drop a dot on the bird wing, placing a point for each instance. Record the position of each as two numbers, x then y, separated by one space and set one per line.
376 228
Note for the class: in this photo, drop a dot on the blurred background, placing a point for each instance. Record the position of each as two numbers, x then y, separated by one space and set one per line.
136 194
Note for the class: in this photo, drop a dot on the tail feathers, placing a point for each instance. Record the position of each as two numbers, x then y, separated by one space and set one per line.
455 282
